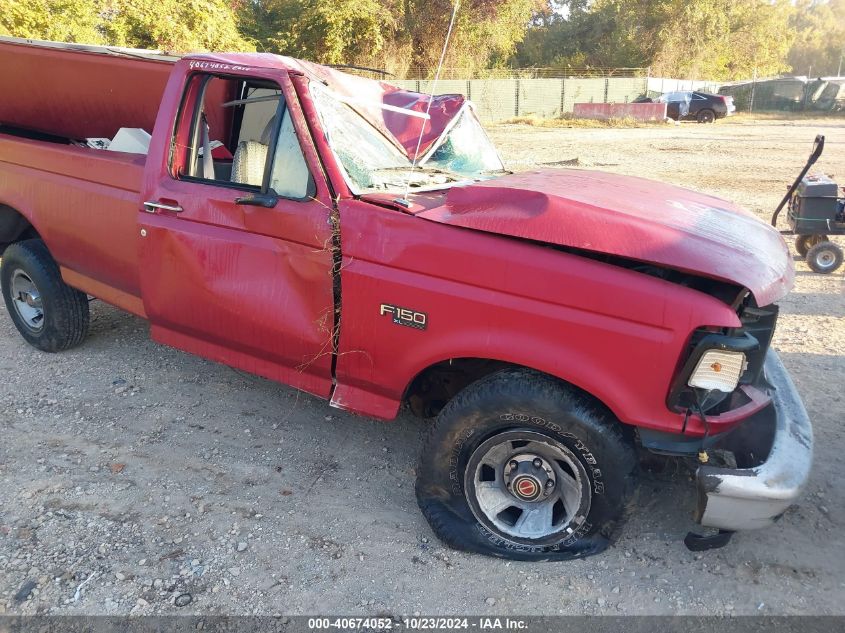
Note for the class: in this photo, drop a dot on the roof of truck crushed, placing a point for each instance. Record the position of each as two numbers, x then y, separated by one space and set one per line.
381 103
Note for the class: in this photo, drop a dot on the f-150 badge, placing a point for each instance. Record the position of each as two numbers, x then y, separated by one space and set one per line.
404 316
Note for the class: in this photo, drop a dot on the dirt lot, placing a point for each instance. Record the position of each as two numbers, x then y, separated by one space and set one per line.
134 478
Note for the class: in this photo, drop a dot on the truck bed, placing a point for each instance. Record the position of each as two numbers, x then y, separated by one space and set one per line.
84 203
97 91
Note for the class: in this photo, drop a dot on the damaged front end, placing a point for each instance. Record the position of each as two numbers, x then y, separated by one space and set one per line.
723 404
430 157
773 449
748 476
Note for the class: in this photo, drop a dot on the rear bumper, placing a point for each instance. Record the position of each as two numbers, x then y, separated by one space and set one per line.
775 446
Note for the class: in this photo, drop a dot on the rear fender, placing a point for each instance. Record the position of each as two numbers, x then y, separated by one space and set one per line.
14 226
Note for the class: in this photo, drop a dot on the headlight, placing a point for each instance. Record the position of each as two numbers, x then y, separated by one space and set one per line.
718 370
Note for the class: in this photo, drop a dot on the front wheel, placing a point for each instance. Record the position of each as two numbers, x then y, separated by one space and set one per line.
521 466
824 257
48 313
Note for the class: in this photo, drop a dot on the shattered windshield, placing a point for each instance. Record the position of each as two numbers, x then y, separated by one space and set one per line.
465 149
372 163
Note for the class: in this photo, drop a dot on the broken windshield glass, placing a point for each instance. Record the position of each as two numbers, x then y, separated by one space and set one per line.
466 148
371 162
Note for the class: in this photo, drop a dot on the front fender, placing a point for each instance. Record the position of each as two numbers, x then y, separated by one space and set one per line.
616 333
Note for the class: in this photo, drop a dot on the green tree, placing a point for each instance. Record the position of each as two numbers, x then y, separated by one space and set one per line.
714 39
341 31
58 20
390 34
171 25
486 31
725 39
820 39
556 36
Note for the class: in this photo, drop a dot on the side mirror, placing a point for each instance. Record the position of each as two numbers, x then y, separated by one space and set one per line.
266 200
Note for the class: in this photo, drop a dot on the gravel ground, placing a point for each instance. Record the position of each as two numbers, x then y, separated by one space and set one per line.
137 479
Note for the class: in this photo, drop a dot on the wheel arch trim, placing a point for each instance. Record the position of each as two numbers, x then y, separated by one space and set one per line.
363 399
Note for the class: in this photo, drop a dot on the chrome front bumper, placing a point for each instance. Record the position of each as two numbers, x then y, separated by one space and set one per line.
777 442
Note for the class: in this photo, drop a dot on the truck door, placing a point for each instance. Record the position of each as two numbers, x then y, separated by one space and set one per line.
235 235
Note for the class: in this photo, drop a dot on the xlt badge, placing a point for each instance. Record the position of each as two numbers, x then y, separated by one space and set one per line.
404 316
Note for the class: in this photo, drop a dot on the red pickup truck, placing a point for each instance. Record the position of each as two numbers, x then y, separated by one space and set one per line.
364 243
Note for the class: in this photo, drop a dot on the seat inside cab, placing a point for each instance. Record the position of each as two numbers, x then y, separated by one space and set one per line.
241 135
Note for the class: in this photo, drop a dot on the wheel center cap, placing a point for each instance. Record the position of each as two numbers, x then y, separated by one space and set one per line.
527 487
529 477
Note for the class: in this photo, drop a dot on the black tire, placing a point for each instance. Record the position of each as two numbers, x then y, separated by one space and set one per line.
803 243
824 257
519 401
705 116
64 310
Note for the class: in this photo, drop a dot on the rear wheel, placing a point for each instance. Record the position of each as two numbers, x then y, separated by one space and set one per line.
521 466
803 243
824 257
48 313
705 116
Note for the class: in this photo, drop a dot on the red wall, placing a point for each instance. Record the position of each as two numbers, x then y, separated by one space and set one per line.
638 111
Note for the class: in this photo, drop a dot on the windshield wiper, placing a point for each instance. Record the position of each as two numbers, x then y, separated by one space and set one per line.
426 169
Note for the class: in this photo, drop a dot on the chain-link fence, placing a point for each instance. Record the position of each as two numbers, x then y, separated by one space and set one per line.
547 72
789 94
500 99
506 93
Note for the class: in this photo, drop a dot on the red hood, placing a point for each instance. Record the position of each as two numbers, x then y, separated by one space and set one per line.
629 217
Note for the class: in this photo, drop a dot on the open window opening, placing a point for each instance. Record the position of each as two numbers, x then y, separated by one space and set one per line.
236 132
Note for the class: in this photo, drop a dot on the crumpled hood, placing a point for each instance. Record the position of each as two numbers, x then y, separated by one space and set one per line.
629 217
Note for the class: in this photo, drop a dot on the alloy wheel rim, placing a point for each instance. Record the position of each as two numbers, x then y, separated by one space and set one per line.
528 486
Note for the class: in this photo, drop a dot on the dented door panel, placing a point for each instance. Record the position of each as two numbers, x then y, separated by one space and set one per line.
246 285
264 301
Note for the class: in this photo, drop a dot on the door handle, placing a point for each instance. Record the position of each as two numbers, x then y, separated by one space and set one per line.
268 201
152 206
